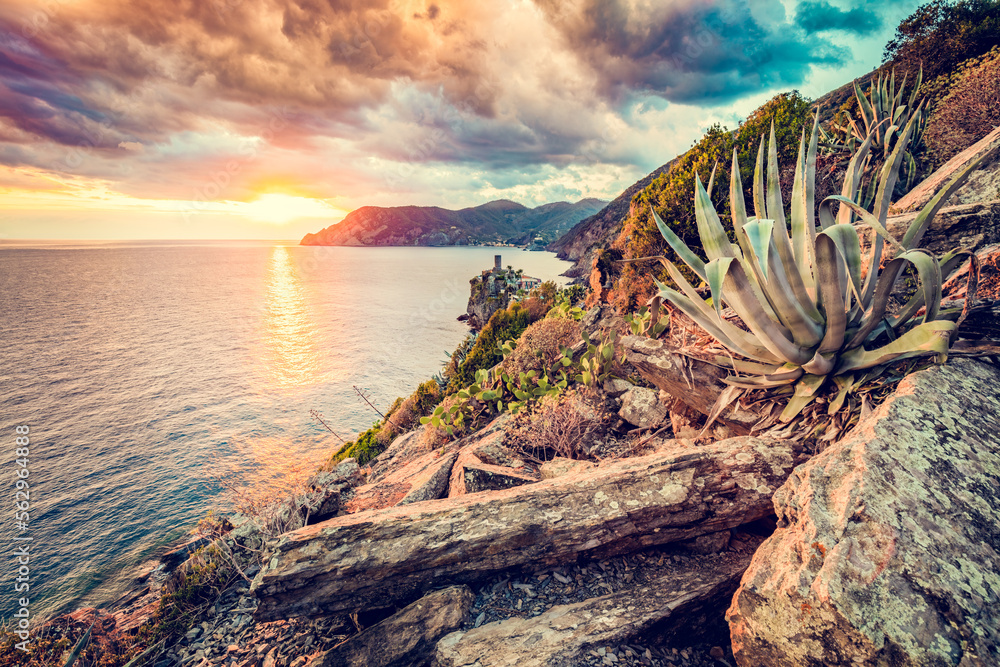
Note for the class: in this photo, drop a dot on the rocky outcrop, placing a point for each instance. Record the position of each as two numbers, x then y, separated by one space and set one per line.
561 636
425 478
488 293
471 475
983 184
969 226
888 545
376 559
697 383
330 490
406 638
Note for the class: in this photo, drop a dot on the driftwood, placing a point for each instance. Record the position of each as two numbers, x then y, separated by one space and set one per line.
378 559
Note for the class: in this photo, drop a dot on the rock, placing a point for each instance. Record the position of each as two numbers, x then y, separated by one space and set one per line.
983 184
425 478
470 475
887 550
696 383
615 387
373 559
708 544
408 637
560 466
641 407
178 555
402 450
684 421
969 226
491 450
328 490
563 635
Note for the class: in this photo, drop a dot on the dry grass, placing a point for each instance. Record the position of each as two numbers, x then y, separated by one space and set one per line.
559 426
538 346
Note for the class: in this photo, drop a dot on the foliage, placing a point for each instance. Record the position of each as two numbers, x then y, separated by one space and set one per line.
882 114
504 325
809 313
648 321
969 111
364 448
671 192
559 426
941 34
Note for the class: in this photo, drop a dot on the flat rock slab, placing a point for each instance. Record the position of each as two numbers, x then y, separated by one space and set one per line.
408 637
375 559
424 478
887 550
561 636
642 407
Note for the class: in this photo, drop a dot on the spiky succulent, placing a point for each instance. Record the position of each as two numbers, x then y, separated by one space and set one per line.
884 113
811 307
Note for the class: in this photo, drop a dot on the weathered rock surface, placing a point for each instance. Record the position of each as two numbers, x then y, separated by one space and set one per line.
562 635
888 545
425 478
561 466
696 383
969 226
330 490
408 637
641 407
983 184
374 559
470 475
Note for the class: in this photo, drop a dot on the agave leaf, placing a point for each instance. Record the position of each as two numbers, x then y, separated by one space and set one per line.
692 305
728 396
855 169
711 179
845 237
930 338
79 647
867 218
713 236
677 245
845 383
775 207
764 381
805 391
916 86
716 271
867 113
752 367
737 205
890 170
820 364
831 293
879 302
759 209
758 239
929 277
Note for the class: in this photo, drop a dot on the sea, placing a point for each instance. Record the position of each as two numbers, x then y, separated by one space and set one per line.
155 379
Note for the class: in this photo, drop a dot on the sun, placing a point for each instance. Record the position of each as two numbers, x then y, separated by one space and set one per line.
281 208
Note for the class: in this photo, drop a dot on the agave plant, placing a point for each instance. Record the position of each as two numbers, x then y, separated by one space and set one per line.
884 113
812 309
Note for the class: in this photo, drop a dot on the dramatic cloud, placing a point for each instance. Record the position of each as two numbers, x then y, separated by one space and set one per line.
377 101
819 16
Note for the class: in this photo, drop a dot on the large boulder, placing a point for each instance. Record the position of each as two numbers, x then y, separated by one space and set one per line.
407 638
887 550
563 635
425 478
376 559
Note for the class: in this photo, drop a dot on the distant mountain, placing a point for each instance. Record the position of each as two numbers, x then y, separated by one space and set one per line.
597 231
500 221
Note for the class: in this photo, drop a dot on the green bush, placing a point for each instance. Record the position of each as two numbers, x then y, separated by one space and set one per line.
366 447
505 325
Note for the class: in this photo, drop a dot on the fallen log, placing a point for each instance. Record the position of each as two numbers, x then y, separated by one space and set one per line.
379 558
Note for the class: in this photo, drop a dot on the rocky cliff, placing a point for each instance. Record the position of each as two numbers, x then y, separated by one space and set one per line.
500 221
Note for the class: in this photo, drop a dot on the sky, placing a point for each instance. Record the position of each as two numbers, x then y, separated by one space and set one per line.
273 118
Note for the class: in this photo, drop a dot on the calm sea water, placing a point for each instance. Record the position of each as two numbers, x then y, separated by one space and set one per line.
147 370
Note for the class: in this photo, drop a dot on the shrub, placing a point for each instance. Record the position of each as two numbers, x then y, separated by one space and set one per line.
505 325
941 34
364 448
563 425
540 344
969 111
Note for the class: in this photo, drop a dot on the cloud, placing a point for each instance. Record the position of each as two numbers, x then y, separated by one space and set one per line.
213 98
819 16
